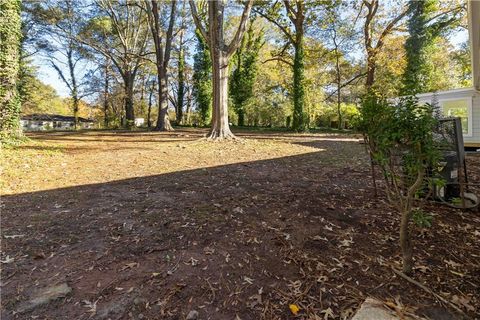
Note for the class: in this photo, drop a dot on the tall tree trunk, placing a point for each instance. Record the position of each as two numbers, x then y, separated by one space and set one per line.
10 34
76 108
241 116
129 111
189 106
149 121
105 96
371 65
181 81
163 57
339 88
220 126
298 85
373 50
220 53
163 121
74 87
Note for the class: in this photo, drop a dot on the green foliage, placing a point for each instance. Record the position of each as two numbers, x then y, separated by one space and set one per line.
424 29
400 141
462 60
10 36
328 116
243 77
399 129
202 80
421 218
417 77
38 97
299 123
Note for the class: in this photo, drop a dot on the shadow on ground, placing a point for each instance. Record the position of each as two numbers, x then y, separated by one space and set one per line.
237 240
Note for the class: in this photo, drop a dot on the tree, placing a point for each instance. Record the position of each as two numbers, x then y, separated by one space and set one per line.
10 35
162 55
425 24
106 91
374 46
150 98
38 97
244 75
118 30
461 57
400 140
202 79
58 24
294 31
181 69
220 53
340 38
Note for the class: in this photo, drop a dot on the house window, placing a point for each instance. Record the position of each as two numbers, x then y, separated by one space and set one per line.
461 108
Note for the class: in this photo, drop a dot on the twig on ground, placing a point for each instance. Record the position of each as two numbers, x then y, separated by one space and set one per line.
437 296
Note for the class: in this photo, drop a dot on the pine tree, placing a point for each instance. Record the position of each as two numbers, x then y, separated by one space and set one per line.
202 83
10 40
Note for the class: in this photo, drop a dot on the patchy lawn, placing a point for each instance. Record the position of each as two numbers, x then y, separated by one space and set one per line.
159 225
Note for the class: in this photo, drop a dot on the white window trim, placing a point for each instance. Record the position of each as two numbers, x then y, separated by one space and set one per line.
469 99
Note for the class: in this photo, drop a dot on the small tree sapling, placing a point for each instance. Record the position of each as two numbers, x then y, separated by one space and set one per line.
399 137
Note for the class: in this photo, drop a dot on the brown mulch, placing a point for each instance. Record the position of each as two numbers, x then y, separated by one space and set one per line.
155 225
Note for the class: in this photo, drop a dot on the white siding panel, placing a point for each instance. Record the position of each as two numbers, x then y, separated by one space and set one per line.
460 93
476 119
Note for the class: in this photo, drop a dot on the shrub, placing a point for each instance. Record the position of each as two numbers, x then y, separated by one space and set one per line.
399 137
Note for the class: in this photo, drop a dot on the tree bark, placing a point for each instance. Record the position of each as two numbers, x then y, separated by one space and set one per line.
189 105
74 87
163 121
149 121
220 53
339 88
405 234
298 86
129 111
105 96
297 17
405 243
181 81
220 126
371 66
372 50
10 34
163 57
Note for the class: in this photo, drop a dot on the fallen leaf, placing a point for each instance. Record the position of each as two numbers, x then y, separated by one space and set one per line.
7 260
328 313
294 309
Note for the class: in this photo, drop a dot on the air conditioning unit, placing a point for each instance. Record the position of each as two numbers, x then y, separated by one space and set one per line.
452 170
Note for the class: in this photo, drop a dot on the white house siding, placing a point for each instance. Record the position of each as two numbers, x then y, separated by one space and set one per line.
476 121
470 140
39 125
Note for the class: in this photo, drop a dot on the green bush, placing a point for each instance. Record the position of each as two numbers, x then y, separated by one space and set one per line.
399 137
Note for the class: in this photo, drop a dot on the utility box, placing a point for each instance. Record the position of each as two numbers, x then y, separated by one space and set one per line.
451 168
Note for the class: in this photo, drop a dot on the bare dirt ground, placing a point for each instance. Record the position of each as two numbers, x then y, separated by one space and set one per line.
165 226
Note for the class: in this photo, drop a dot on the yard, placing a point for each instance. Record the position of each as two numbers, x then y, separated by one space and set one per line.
144 225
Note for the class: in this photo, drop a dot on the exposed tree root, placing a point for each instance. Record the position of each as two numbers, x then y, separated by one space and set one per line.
221 135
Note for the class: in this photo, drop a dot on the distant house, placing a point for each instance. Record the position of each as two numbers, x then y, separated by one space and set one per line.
42 122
